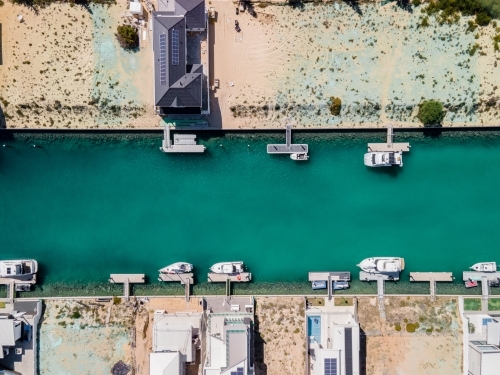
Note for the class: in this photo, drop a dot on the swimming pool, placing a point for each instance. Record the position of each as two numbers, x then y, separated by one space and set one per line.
314 327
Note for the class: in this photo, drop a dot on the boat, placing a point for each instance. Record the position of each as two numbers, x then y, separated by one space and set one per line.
382 265
179 267
340 285
495 283
227 267
299 156
18 268
484 267
318 285
384 159
470 283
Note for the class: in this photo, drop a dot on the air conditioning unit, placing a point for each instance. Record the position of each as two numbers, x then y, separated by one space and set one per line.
19 351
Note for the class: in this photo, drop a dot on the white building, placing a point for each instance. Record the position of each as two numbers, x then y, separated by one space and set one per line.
229 339
484 341
333 342
176 337
10 332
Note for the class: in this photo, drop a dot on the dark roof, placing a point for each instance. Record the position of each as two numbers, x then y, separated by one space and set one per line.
183 83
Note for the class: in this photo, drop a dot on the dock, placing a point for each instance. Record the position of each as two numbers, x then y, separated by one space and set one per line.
126 279
477 276
184 278
380 294
432 278
288 147
389 145
485 289
242 277
389 276
183 143
329 277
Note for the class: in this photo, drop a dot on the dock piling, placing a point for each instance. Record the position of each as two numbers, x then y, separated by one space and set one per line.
433 289
380 293
288 147
485 293
187 289
126 280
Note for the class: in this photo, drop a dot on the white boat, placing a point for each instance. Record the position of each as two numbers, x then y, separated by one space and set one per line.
18 268
384 159
227 267
382 265
484 267
299 156
179 267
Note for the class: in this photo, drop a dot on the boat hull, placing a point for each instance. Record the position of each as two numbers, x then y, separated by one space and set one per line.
227 268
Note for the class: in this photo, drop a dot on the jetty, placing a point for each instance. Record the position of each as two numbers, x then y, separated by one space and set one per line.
126 279
288 147
389 146
185 279
432 278
242 277
478 276
387 276
183 143
330 278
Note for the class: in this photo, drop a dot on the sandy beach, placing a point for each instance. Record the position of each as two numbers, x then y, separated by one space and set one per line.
63 68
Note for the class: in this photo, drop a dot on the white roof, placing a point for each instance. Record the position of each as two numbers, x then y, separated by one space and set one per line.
173 338
7 334
135 7
164 364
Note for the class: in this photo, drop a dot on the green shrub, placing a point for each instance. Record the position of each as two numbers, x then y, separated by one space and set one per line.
127 36
75 315
397 327
424 22
335 106
482 19
1 3
431 112
412 327
116 300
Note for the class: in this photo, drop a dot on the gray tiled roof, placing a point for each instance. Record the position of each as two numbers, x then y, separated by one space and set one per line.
183 83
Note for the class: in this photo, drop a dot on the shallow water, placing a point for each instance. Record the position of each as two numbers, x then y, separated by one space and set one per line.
88 206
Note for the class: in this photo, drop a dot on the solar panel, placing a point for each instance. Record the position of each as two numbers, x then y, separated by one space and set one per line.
163 59
239 371
175 47
330 366
348 351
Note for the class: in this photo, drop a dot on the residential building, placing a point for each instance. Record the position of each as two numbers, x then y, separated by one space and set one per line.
180 72
484 344
229 338
176 338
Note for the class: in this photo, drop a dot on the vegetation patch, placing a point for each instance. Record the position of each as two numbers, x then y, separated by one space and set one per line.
335 105
116 300
472 304
412 327
431 113
127 36
343 302
494 304
397 327
449 11
316 301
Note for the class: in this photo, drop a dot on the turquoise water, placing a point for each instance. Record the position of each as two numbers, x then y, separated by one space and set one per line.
88 206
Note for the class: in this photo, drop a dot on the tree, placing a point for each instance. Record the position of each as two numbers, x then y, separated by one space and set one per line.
335 106
127 37
431 112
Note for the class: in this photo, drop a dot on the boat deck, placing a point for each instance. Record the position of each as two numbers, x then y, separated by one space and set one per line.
388 276
431 276
182 277
477 276
242 277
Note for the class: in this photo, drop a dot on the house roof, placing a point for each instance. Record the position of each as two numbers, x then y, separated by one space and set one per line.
181 84
164 364
7 334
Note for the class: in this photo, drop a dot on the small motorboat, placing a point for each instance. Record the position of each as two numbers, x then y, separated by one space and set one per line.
340 285
495 283
470 283
299 156
18 268
384 159
382 265
227 267
484 267
179 267
318 285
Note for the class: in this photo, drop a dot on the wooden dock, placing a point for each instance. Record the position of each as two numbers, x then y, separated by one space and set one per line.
431 276
183 143
242 277
477 276
288 147
18 280
389 276
389 146
126 279
333 276
185 279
